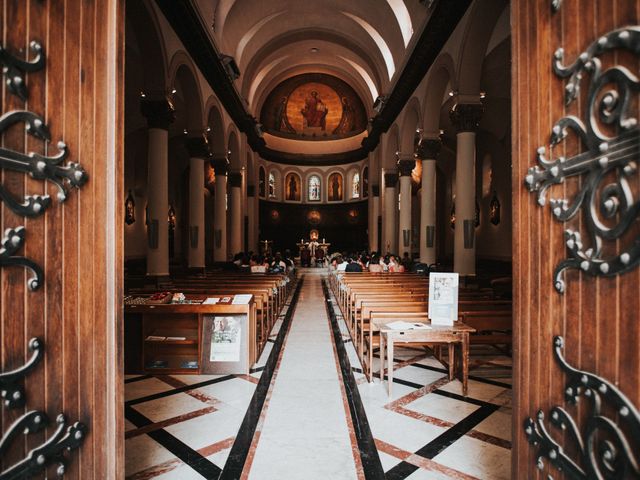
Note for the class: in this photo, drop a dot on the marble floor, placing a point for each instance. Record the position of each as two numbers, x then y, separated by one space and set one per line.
307 412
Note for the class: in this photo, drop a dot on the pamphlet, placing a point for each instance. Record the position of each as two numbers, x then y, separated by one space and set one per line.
155 338
211 301
443 298
225 340
242 299
402 325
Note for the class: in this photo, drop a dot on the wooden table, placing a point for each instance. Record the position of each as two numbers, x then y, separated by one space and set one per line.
457 334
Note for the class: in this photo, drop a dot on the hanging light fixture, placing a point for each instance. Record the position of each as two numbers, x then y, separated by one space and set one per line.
494 209
129 209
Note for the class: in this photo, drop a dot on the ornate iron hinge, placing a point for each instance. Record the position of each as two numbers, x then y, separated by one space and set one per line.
610 210
64 439
603 449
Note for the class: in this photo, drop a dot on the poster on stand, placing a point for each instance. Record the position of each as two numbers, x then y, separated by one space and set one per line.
225 344
443 298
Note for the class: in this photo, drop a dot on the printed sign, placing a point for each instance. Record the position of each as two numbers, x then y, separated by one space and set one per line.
443 298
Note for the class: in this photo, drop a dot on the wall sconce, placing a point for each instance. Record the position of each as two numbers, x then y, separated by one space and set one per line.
172 218
494 209
129 209
452 215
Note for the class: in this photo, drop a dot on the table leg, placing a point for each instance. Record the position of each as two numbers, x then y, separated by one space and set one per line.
390 361
452 360
465 362
382 357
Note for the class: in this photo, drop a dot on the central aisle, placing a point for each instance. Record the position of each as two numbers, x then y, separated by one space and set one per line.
305 431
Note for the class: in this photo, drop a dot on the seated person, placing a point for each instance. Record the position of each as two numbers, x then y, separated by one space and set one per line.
374 265
352 266
394 266
407 262
341 264
305 257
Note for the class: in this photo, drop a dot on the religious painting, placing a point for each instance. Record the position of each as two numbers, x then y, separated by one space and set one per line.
272 185
313 107
314 217
365 182
314 186
355 186
262 183
292 187
335 187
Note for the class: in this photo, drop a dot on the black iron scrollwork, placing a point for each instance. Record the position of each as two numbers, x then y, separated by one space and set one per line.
64 439
12 241
14 69
10 390
603 450
604 155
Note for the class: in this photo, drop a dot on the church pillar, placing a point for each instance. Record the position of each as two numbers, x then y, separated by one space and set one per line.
235 209
198 148
159 115
390 213
406 163
428 150
374 213
220 166
252 213
465 117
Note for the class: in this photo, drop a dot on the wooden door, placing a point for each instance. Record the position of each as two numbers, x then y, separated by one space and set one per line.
61 261
576 238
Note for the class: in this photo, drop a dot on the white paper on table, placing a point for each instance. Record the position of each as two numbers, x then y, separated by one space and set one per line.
211 301
242 299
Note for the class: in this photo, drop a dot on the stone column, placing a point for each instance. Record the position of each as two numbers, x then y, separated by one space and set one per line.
220 166
390 213
159 115
374 213
428 150
252 213
465 117
198 149
406 164
235 209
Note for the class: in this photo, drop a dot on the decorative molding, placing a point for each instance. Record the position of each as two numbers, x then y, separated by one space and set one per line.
64 439
610 210
220 165
602 449
406 166
390 179
159 113
235 179
428 148
198 147
375 190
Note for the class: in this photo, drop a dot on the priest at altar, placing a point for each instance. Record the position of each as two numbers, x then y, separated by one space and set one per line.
313 246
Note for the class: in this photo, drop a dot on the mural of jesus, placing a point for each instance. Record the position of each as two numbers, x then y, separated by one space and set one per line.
315 111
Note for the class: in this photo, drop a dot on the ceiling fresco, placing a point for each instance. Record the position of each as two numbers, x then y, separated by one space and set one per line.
313 107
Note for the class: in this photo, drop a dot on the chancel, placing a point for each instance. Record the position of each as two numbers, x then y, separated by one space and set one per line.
358 239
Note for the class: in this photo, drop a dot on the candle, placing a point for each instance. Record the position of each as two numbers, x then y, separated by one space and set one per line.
323 240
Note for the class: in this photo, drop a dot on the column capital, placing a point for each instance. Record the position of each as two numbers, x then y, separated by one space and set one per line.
235 179
406 164
159 112
428 148
465 117
375 190
251 190
198 147
220 165
390 179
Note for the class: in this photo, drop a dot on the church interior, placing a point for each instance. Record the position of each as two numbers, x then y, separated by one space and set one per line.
319 173
366 239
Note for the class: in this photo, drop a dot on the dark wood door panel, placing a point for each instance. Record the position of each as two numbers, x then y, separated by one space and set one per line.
76 310
597 314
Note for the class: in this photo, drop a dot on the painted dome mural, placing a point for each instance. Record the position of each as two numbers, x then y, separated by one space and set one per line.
313 107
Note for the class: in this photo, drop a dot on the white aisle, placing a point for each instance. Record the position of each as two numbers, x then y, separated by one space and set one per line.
305 432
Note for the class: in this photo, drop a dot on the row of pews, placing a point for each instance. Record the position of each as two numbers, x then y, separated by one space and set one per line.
368 298
269 290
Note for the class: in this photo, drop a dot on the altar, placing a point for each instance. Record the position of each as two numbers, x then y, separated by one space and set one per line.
313 251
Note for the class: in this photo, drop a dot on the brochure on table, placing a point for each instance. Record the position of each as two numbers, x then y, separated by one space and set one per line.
443 298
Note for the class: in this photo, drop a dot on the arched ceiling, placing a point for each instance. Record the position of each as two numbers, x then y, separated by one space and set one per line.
361 42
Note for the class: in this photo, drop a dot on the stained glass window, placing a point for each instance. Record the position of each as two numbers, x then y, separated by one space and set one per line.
272 185
355 186
314 188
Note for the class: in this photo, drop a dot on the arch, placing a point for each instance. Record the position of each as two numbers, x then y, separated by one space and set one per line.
188 100
215 132
335 187
410 123
441 74
391 147
478 31
233 149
